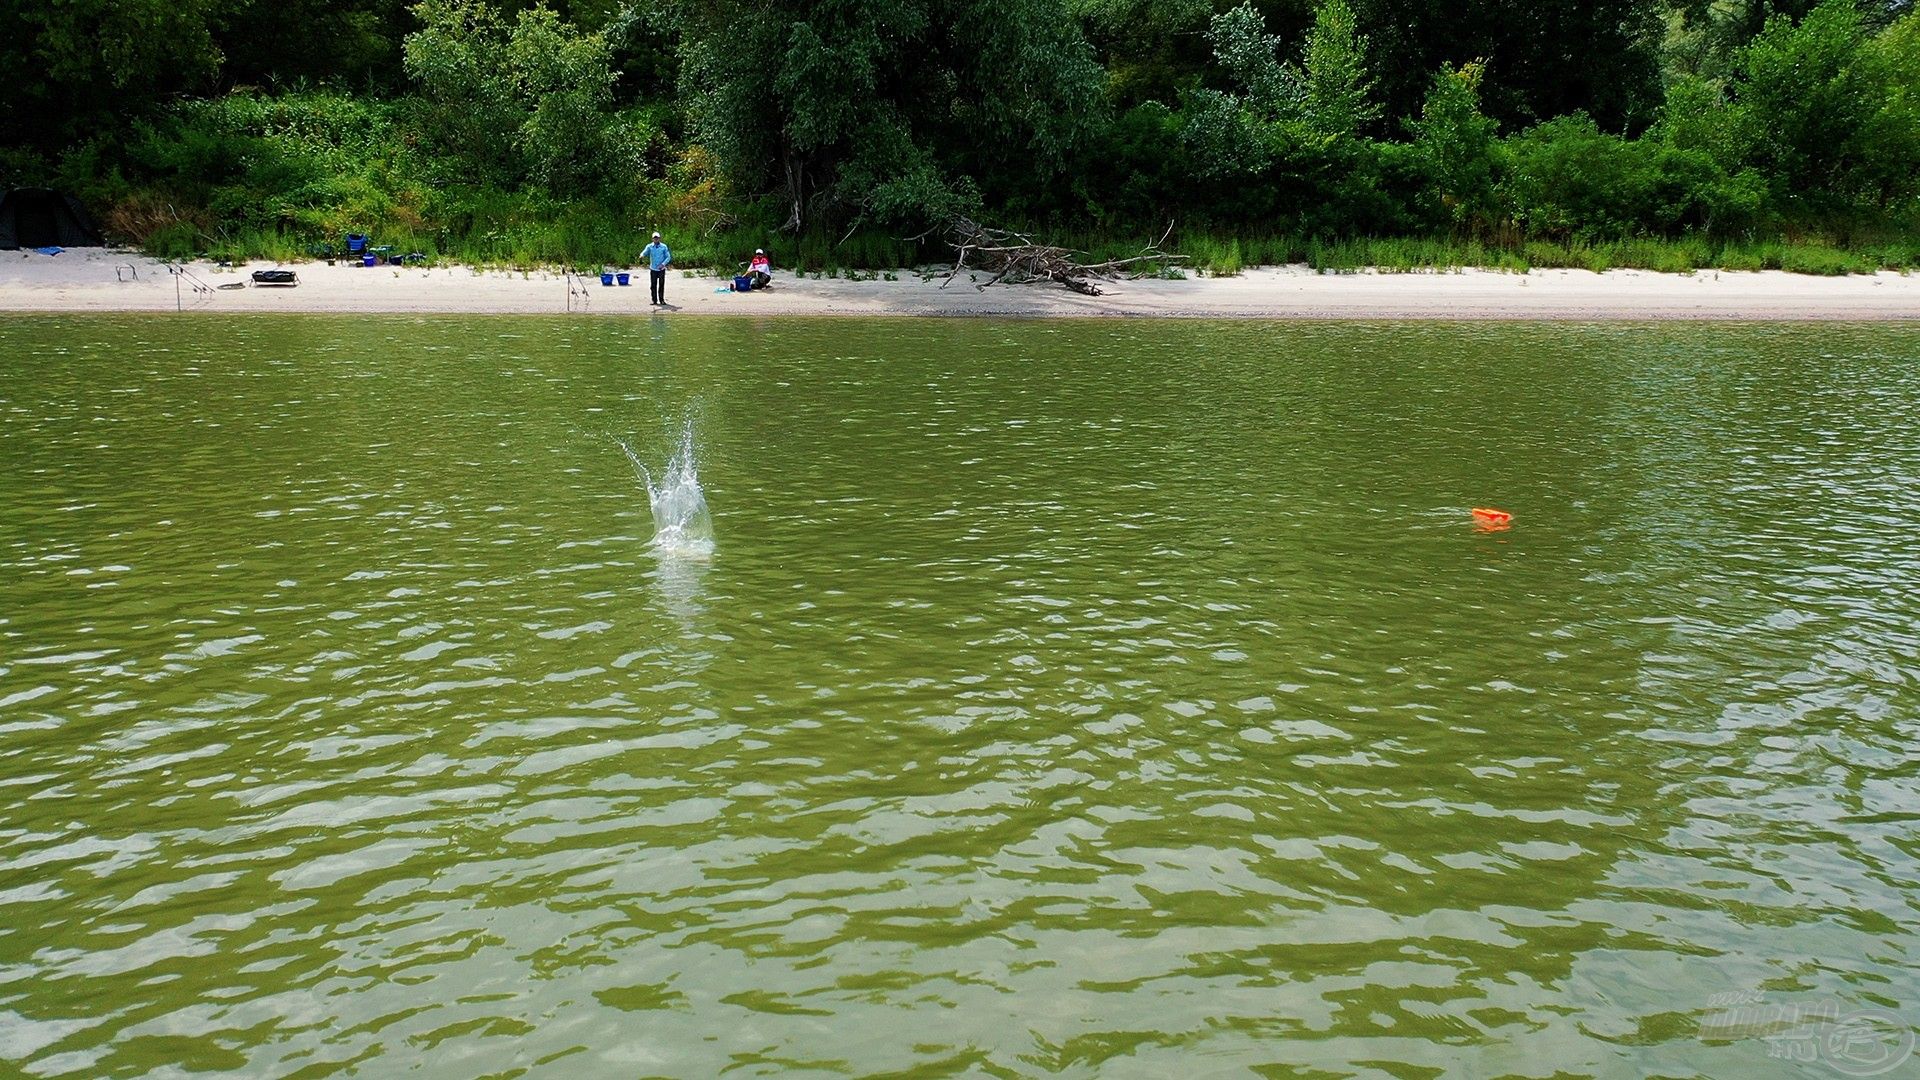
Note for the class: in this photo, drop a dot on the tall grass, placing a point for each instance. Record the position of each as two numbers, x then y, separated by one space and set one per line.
511 230
1410 254
580 238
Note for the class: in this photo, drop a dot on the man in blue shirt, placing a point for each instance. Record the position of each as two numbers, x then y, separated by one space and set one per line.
658 259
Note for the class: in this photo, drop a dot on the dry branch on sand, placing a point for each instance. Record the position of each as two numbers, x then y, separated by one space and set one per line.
1015 259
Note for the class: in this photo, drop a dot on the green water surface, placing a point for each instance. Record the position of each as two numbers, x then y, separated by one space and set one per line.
1083 698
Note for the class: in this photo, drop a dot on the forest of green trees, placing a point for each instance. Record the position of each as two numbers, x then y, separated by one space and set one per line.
1666 133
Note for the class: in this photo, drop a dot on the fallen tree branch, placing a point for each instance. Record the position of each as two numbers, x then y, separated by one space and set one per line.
1015 259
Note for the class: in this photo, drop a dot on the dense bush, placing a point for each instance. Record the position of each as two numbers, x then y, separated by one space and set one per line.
1567 179
304 163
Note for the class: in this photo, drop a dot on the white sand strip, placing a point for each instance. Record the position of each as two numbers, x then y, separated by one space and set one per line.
101 280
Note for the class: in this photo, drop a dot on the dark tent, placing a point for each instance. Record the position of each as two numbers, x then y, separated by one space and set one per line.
36 217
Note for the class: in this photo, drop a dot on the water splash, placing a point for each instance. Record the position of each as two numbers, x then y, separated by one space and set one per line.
682 527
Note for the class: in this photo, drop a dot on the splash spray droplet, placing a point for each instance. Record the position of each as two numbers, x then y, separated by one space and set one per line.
682 527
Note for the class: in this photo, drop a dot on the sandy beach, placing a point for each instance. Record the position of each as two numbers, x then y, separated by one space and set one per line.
105 280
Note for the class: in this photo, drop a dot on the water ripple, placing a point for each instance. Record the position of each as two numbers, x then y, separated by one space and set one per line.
1078 698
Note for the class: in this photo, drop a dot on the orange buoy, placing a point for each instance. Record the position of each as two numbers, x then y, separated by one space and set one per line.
1492 517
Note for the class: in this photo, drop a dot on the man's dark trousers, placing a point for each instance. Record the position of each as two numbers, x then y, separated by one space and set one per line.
657 281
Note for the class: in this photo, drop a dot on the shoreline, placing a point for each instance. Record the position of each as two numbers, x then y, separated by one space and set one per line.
103 280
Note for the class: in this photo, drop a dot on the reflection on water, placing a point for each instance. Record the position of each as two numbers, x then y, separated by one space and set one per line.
1070 698
679 582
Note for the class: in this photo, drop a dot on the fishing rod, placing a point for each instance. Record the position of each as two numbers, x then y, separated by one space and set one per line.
200 288
580 289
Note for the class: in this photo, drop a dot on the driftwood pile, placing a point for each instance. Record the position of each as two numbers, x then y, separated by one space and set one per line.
1015 259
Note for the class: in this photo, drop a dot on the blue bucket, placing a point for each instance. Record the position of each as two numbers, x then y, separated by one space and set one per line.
606 277
742 284
369 260
622 278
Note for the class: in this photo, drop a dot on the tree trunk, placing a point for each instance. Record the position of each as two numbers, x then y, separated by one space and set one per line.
796 171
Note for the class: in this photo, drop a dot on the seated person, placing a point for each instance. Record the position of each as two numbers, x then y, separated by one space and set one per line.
760 270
